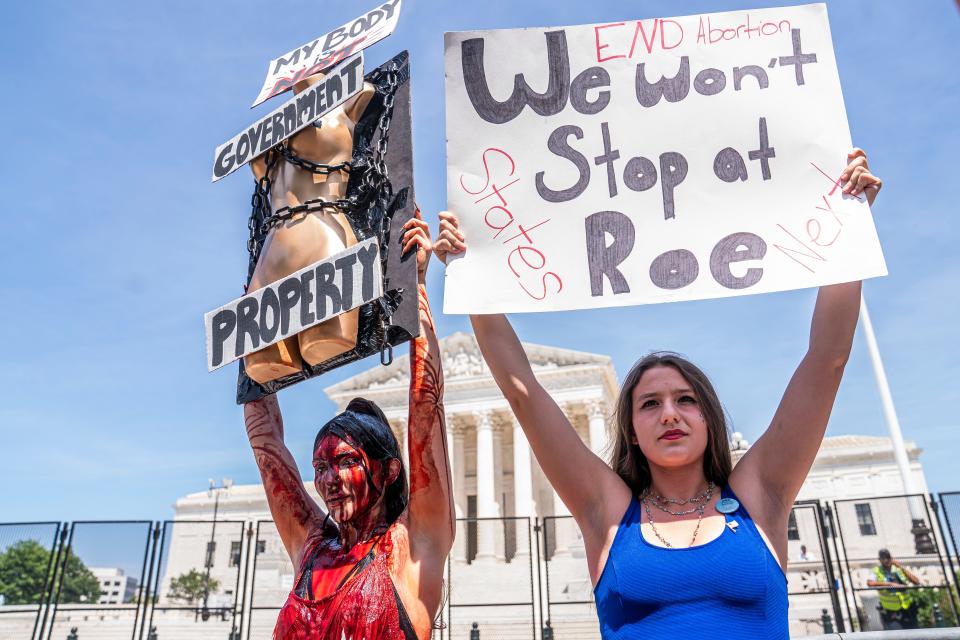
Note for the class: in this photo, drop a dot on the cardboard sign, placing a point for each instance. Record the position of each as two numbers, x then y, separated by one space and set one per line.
303 299
379 328
342 83
650 161
328 49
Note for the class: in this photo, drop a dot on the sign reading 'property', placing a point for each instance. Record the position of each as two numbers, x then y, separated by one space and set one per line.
650 161
286 307
329 49
342 83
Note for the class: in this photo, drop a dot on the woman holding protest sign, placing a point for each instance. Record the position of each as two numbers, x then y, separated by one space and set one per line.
677 541
371 565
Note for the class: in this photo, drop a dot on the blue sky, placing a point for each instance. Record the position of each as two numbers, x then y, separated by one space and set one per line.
117 243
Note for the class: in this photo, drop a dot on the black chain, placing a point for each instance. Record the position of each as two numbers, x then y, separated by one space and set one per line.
260 211
317 204
313 167
377 177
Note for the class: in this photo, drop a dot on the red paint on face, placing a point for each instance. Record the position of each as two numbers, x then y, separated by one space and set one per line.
341 478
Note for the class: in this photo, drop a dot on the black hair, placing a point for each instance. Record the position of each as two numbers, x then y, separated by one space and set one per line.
364 427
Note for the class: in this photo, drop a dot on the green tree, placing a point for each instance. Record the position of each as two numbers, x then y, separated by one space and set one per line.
926 598
23 574
192 586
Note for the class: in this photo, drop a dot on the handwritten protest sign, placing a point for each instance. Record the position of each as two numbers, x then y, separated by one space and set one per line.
301 300
329 49
339 85
650 161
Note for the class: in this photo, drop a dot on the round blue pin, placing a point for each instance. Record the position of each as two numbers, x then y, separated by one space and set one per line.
727 505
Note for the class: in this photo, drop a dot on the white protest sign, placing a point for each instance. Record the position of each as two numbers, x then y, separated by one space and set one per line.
342 83
650 161
301 300
329 49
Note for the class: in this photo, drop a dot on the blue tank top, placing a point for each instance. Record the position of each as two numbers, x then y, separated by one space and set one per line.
730 587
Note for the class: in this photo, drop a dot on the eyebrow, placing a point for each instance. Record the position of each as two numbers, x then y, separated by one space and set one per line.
338 456
654 394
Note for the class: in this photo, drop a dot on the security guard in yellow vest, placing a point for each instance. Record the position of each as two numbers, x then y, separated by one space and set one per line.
897 608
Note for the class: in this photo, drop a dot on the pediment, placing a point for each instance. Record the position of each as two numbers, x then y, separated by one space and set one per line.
461 360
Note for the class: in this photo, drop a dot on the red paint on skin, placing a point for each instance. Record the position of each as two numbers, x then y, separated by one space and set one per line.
342 483
426 407
362 609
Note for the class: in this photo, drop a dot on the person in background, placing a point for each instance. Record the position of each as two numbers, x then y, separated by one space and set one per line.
805 556
898 610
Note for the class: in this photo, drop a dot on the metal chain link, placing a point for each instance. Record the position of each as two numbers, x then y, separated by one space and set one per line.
317 204
313 167
260 211
377 176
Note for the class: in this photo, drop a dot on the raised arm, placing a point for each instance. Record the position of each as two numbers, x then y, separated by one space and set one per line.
595 495
431 521
294 511
774 469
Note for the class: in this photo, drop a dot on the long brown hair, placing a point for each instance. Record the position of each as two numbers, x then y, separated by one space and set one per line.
628 460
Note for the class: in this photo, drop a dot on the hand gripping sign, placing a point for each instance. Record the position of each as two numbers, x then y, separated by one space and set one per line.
650 161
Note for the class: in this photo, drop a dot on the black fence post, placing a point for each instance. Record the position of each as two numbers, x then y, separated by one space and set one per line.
547 631
474 631
954 575
826 622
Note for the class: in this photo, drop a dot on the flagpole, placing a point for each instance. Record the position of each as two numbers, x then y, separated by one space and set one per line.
920 530
889 412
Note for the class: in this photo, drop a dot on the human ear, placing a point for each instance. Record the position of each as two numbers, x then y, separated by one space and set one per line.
392 471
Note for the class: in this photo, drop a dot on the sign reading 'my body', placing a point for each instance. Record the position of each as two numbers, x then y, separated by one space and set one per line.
301 300
650 161
329 49
339 85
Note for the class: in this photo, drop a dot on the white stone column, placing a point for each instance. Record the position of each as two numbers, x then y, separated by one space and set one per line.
522 476
498 527
522 486
599 438
565 529
455 433
487 506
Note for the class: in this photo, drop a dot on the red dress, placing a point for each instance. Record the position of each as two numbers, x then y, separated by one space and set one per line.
365 606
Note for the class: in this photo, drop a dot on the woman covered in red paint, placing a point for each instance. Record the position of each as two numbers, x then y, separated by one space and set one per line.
371 566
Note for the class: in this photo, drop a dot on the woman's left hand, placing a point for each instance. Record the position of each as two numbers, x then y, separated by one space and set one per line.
417 233
857 178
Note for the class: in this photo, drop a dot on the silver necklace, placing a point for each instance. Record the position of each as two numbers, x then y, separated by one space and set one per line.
701 498
700 502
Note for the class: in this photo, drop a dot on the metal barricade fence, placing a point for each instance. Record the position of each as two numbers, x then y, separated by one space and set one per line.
569 609
513 577
812 583
98 579
196 583
29 554
491 581
948 513
270 580
902 525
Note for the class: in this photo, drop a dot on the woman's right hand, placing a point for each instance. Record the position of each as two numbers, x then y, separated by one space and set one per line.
450 240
